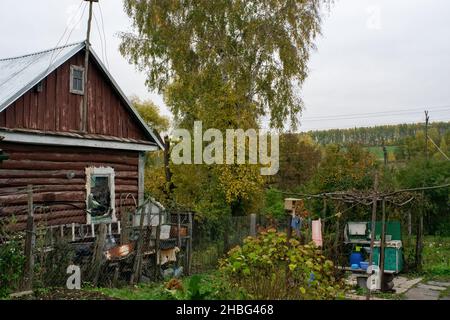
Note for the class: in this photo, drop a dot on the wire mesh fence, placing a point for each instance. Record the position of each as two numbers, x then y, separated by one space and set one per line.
213 241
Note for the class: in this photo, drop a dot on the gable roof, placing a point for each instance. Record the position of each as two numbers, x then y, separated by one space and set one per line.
20 74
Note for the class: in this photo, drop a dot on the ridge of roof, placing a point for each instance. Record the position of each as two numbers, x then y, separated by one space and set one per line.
41 52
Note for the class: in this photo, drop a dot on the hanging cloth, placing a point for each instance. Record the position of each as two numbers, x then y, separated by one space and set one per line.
316 227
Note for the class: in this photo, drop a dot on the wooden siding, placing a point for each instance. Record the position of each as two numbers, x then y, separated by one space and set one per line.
48 168
56 109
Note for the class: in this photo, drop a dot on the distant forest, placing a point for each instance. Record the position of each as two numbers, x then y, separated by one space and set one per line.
374 136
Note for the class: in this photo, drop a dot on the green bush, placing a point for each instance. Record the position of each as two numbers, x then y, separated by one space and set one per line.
11 267
274 206
271 267
207 287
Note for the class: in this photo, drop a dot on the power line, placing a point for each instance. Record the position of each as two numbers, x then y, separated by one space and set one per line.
443 153
104 34
371 115
371 125
382 112
68 37
66 29
101 37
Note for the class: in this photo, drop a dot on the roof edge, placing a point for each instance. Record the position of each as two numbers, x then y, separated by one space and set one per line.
43 75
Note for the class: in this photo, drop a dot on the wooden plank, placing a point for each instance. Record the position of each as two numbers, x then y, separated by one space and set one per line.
50 87
5 174
135 277
29 242
57 101
19 113
74 157
64 196
41 181
141 175
52 165
22 209
98 253
10 116
52 215
11 146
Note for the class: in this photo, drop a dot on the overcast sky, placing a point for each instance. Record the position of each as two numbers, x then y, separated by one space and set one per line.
377 61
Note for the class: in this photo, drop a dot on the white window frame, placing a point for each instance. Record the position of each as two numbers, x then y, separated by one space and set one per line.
107 172
72 90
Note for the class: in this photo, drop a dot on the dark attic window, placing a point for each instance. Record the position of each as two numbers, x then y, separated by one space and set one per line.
39 87
77 80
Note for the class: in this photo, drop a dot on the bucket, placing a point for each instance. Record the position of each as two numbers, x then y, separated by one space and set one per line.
355 258
364 265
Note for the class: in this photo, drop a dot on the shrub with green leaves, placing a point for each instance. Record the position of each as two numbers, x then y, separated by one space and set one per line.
271 267
11 266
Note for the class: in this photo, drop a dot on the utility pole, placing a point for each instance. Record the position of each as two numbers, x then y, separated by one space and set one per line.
86 67
373 224
427 119
419 238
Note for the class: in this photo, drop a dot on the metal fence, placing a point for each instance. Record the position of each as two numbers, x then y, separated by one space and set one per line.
213 240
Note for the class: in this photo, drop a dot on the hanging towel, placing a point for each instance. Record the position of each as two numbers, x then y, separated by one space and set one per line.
317 232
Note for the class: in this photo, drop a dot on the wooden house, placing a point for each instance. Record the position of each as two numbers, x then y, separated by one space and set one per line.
85 169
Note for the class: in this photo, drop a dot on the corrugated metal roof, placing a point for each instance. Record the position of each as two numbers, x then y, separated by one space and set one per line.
20 74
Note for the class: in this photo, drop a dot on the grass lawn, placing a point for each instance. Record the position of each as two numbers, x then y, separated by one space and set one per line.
206 286
436 258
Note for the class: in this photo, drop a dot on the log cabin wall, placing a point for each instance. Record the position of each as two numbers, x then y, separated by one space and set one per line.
56 109
59 172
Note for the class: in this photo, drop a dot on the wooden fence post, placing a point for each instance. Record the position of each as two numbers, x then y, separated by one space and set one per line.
383 240
253 225
157 247
139 244
29 242
190 244
373 224
409 223
419 242
98 252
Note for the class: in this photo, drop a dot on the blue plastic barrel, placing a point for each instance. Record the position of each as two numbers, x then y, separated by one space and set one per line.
355 258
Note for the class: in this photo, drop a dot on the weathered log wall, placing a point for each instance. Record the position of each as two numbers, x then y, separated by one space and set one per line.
58 174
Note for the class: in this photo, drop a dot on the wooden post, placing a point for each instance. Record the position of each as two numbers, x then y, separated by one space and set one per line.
141 177
138 250
419 242
98 252
125 225
29 242
324 215
190 243
157 245
373 224
84 110
179 230
409 223
289 226
419 238
336 241
253 224
383 240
